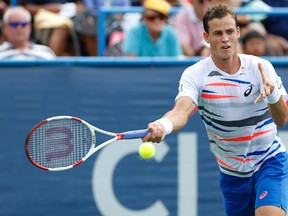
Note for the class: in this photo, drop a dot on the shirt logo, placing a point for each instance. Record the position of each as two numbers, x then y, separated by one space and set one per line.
263 195
278 82
248 91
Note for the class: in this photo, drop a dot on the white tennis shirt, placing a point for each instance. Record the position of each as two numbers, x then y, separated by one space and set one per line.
242 134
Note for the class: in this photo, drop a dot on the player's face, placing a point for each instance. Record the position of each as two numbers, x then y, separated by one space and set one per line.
223 37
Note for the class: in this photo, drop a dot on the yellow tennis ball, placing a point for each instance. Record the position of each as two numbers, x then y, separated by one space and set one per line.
146 150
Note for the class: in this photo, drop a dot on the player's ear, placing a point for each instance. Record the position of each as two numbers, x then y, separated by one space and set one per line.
238 31
206 37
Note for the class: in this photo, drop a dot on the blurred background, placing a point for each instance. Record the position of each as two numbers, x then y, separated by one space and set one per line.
115 93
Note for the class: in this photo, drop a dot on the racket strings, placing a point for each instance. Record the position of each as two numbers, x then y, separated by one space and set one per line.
60 143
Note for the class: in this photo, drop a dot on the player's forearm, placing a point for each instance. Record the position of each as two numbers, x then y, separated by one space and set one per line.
172 121
279 112
178 121
179 115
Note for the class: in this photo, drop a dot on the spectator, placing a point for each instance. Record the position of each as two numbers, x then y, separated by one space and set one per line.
153 36
117 27
254 43
275 26
189 27
53 25
113 22
3 6
17 30
277 31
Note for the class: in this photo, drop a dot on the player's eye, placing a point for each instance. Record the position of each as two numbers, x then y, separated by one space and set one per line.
230 31
217 33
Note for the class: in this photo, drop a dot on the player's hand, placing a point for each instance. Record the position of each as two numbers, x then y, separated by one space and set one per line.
156 133
268 85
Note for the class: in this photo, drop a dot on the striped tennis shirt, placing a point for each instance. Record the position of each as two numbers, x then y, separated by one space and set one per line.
35 51
242 134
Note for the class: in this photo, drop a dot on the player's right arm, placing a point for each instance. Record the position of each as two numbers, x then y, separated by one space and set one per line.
174 120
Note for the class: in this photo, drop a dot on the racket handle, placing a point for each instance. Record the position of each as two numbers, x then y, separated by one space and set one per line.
133 134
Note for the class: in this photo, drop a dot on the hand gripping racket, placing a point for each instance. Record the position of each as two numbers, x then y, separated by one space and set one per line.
63 142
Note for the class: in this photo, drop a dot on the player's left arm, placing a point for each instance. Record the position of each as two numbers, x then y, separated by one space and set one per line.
279 112
276 102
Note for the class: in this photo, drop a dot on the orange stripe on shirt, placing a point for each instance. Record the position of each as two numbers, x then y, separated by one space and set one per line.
222 84
210 96
243 160
225 164
244 138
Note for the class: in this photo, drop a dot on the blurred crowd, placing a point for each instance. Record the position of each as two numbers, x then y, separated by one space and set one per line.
47 28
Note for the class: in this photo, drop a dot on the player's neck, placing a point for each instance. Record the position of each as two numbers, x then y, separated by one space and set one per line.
230 65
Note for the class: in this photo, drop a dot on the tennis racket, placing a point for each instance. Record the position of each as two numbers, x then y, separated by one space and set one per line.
63 142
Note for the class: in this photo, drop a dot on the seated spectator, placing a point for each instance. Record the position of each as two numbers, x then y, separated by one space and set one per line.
278 44
53 26
17 30
254 43
153 36
3 6
274 26
49 28
189 26
113 22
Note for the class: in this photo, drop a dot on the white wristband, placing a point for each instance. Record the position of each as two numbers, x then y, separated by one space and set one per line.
167 124
274 97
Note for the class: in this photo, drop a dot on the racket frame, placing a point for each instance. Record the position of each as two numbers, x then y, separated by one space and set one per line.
116 136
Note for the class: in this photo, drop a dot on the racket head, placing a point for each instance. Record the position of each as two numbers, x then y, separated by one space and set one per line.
60 143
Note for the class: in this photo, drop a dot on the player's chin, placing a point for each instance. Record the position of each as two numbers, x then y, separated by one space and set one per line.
226 53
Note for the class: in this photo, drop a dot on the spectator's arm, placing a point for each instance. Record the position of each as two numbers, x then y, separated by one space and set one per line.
278 44
33 8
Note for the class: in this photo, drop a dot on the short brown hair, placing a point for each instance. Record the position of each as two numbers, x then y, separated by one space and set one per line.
217 11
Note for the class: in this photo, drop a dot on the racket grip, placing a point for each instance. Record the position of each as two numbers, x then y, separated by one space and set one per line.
133 134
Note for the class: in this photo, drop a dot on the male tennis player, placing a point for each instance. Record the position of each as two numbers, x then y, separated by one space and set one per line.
241 101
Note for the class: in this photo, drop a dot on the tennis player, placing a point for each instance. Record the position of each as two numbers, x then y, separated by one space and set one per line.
241 101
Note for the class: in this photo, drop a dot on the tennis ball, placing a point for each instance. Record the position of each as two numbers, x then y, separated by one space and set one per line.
146 150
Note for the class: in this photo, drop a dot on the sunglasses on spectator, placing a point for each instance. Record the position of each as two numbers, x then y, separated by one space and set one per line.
154 17
16 24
